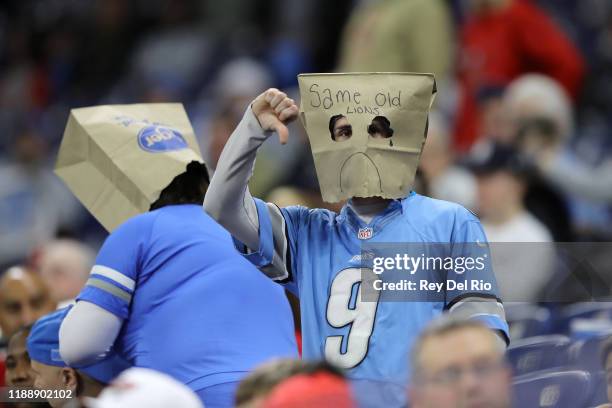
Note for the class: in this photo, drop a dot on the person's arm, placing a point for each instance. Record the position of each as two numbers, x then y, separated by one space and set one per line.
574 177
260 226
92 326
228 199
101 328
485 305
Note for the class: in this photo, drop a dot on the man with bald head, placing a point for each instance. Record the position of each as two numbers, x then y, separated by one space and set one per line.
24 298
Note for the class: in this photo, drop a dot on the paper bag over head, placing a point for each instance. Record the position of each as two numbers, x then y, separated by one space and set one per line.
366 130
116 159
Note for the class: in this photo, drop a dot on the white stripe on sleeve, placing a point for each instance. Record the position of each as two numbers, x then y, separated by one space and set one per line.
114 275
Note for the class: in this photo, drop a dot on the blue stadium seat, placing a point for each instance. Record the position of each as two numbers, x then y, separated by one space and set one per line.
565 389
539 353
527 320
583 310
586 354
599 389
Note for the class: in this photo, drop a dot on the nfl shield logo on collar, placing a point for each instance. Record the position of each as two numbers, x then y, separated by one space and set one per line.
365 233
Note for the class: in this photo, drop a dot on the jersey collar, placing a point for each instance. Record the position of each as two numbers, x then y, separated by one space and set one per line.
351 219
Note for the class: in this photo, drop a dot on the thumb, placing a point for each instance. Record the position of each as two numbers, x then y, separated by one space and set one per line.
282 131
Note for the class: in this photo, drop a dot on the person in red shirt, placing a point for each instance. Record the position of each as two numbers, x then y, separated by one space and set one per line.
501 40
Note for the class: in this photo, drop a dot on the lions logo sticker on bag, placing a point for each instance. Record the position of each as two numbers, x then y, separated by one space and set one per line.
365 233
159 139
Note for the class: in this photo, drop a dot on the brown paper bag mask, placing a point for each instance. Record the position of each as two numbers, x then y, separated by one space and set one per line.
116 159
366 130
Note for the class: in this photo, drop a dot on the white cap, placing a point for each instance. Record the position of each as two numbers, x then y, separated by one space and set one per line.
536 94
142 387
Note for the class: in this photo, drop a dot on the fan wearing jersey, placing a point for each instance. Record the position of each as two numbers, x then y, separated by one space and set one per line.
313 253
169 291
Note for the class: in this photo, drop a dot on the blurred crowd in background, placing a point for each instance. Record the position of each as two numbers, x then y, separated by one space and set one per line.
521 131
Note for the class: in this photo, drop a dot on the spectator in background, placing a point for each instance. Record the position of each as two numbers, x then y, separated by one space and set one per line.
398 36
445 180
543 121
502 179
64 264
52 373
537 111
567 171
500 40
237 83
317 385
142 387
534 97
256 387
18 369
33 203
471 372
24 297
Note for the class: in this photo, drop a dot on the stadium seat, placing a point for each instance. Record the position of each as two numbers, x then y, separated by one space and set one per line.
565 389
527 320
599 389
586 354
583 310
539 353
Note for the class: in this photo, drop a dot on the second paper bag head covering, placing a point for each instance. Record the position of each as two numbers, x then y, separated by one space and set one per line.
116 159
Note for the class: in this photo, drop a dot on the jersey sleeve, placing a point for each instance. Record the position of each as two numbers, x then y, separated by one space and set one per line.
112 280
278 229
479 297
294 217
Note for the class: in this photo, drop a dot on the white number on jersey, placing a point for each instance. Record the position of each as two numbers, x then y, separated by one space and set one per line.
340 312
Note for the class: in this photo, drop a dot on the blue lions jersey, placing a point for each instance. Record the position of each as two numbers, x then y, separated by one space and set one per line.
321 258
192 306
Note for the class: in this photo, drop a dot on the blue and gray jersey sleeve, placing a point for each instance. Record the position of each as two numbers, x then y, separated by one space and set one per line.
480 303
259 229
113 278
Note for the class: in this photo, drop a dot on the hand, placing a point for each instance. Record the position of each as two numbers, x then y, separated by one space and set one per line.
273 109
540 149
